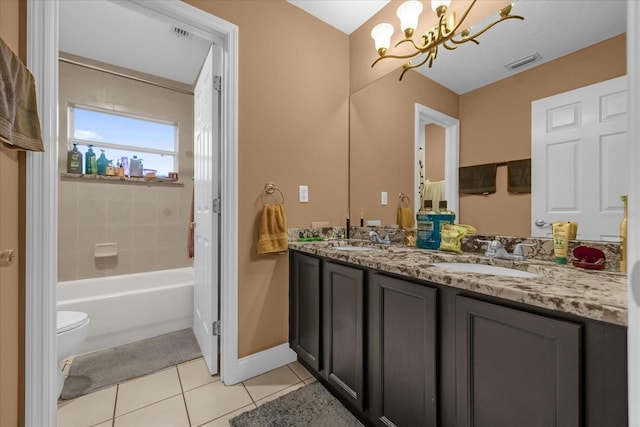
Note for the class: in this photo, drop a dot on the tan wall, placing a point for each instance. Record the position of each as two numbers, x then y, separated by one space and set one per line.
495 126
293 130
434 158
148 221
12 237
382 140
363 51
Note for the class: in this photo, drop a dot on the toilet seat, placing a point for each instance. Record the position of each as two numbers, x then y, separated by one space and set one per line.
68 320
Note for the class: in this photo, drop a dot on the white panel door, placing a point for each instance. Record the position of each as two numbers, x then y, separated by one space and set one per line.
206 184
579 153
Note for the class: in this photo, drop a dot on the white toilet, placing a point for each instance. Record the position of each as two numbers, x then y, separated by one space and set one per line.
73 327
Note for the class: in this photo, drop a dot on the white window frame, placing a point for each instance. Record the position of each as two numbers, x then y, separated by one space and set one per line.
133 148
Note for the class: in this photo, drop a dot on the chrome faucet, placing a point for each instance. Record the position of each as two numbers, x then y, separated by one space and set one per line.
375 237
495 249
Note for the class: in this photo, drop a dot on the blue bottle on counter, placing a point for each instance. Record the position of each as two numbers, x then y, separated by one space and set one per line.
426 226
444 216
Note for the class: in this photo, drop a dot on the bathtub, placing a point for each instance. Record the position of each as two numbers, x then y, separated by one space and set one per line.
130 307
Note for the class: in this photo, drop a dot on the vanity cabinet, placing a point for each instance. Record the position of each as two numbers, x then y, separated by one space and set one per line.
403 349
404 352
515 368
305 309
343 330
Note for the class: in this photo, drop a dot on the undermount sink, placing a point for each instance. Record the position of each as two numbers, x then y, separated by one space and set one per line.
355 248
484 269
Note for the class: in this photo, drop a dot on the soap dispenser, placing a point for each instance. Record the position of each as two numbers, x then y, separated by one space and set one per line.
90 167
74 160
102 164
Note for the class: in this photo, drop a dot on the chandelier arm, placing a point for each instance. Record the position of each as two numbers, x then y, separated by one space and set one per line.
484 30
412 55
449 47
415 46
455 30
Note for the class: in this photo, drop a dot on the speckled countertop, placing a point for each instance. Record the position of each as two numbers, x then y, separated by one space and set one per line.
592 294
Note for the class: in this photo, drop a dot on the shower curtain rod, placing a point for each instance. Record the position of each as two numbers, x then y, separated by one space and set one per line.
127 76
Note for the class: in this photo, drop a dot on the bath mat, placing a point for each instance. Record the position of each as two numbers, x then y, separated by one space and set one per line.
108 367
309 406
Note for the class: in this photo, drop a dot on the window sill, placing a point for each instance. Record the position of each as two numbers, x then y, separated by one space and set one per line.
122 179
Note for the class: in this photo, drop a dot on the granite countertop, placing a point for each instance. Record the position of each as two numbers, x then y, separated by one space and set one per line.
597 295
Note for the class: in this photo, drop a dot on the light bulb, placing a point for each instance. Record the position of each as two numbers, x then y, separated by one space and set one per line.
408 13
381 34
438 4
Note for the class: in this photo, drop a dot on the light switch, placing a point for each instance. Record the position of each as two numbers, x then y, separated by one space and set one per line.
383 199
304 194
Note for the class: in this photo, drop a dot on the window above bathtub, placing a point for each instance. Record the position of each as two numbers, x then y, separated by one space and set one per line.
119 135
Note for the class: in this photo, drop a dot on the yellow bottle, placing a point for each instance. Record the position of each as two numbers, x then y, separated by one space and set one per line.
623 237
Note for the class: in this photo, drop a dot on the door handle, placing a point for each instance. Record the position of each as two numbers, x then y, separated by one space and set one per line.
7 257
541 222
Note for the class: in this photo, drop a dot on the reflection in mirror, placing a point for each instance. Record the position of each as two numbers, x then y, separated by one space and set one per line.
495 127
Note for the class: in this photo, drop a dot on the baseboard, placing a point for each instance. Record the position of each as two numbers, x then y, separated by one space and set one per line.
264 361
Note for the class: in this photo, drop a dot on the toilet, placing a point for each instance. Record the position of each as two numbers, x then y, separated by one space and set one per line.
73 327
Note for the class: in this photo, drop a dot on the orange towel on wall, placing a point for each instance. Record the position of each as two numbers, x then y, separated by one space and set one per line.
272 230
405 218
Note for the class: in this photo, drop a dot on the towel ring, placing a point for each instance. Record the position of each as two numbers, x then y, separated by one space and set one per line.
404 198
271 188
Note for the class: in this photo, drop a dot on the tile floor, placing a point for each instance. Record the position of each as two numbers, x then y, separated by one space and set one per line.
183 395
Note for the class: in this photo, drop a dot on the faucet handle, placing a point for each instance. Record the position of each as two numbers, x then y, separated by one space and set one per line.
518 249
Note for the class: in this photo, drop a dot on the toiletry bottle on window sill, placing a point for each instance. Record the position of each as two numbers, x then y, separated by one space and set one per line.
74 160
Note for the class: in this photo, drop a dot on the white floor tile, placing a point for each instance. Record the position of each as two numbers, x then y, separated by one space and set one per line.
280 393
144 391
87 410
310 380
300 371
195 374
167 413
214 400
272 382
105 424
224 420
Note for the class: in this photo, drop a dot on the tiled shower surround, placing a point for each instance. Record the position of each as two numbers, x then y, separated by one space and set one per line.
148 221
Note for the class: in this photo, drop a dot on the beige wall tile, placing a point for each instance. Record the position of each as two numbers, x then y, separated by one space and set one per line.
144 212
120 213
92 212
67 191
144 193
168 258
87 267
168 213
88 190
122 235
144 260
89 236
145 237
68 239
67 266
68 213
119 193
170 235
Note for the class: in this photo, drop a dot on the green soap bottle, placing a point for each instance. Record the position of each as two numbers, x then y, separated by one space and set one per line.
102 164
90 167
74 160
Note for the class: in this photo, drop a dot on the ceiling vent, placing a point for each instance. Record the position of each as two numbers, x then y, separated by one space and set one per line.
523 61
179 32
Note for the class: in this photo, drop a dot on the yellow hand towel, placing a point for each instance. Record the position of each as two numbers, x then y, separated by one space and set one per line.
405 218
272 231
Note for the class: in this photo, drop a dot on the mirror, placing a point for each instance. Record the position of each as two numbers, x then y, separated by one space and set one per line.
495 127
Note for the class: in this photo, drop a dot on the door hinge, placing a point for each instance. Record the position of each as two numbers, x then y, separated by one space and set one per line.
217 83
215 328
217 206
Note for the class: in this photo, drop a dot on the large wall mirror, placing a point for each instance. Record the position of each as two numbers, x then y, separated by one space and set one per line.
493 108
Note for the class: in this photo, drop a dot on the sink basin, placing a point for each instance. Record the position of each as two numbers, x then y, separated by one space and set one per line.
355 248
484 269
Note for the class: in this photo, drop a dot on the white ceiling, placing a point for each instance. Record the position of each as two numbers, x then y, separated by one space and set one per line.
107 32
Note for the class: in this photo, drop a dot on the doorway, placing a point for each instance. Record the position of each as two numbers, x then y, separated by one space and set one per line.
40 351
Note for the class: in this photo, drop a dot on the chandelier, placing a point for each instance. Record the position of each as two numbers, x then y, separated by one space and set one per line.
445 33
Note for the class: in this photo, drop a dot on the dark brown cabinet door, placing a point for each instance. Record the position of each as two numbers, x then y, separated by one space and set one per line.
304 301
403 345
343 326
515 368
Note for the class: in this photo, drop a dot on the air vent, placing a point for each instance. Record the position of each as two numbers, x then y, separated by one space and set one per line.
523 61
179 32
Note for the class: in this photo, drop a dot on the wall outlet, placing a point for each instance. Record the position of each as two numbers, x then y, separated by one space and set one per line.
304 194
383 199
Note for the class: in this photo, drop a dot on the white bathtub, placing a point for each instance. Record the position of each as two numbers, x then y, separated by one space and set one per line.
130 307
